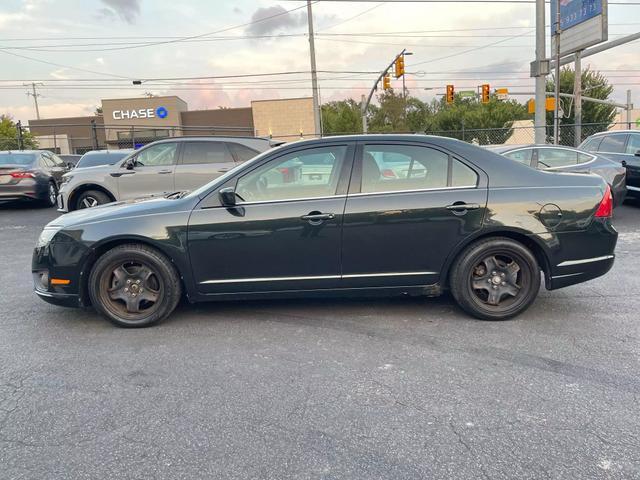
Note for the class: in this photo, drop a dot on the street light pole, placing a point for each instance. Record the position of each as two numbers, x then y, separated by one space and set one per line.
556 111
540 75
577 92
314 74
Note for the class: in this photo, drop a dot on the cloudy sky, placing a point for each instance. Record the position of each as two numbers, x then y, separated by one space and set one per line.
83 51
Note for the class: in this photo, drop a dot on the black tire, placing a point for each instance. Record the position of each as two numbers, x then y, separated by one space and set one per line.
495 279
134 274
51 197
91 198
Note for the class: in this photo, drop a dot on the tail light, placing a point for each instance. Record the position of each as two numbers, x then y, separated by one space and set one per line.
23 175
388 173
605 209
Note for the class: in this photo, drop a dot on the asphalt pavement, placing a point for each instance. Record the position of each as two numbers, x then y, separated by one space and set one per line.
404 388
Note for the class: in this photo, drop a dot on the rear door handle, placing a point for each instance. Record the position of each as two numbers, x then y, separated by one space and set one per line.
459 207
163 172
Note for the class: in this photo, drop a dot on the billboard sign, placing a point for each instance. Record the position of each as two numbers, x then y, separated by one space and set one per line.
583 23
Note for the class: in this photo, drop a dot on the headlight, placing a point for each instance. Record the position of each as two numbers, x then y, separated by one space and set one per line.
47 235
66 179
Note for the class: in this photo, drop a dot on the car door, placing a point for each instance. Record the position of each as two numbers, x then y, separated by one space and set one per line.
398 231
613 146
152 172
632 161
200 162
284 234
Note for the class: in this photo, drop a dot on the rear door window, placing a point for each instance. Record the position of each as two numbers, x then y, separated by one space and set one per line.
397 168
522 156
592 144
613 143
196 153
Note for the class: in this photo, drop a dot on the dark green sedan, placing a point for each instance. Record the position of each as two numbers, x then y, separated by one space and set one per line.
322 217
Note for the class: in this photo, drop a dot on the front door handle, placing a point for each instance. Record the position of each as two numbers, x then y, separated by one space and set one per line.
163 172
460 206
316 218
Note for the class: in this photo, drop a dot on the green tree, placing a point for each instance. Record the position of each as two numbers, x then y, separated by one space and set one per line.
341 116
389 115
470 120
9 135
594 85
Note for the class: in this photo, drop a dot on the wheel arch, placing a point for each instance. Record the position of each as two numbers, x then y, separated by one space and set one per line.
100 248
534 244
73 196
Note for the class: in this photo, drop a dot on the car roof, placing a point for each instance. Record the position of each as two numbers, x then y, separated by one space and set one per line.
613 132
120 150
23 151
217 138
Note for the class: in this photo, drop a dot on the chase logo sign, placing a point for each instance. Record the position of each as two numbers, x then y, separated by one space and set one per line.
160 112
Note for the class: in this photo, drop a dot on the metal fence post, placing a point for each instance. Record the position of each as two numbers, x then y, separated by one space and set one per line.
133 137
20 138
55 141
94 135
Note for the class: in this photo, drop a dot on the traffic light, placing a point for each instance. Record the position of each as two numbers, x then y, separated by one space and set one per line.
450 93
386 82
486 89
399 66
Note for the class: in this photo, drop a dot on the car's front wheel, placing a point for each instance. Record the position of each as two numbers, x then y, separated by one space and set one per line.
91 198
495 279
134 285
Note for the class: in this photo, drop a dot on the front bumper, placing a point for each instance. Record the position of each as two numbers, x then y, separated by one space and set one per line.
60 299
63 200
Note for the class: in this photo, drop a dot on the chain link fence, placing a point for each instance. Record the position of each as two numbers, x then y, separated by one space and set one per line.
81 138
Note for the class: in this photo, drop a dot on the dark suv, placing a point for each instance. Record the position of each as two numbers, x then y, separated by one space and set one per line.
622 146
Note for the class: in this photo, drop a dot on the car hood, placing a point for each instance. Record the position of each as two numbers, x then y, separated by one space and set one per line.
91 171
128 208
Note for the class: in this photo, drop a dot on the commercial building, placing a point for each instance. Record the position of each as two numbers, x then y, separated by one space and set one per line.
133 122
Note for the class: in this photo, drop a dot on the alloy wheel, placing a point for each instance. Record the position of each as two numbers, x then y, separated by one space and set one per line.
88 202
131 290
497 280
53 194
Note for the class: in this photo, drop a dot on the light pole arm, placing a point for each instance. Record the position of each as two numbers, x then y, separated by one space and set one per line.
365 104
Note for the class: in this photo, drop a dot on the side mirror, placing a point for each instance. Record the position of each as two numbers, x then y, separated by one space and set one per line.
130 163
71 165
637 154
227 196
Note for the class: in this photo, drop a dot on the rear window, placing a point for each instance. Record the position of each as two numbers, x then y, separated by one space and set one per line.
241 152
95 159
591 145
17 158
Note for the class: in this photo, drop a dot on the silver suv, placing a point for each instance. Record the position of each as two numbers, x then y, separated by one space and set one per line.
162 167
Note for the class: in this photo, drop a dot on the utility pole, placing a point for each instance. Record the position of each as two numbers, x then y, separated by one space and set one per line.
35 95
540 71
629 108
556 111
314 74
577 95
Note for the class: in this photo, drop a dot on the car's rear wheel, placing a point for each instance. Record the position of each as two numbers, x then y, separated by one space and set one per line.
52 195
134 286
91 198
495 279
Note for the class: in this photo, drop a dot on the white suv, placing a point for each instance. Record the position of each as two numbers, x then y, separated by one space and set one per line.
162 167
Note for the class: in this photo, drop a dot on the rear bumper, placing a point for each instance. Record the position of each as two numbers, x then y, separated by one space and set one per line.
23 191
578 271
582 256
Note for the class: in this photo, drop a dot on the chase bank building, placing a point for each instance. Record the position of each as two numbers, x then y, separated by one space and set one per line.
133 122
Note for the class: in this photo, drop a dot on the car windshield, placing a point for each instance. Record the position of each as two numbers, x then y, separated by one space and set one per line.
102 158
223 178
17 158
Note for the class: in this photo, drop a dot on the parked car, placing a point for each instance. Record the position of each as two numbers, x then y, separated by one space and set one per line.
70 159
567 159
622 146
474 222
96 158
31 175
162 167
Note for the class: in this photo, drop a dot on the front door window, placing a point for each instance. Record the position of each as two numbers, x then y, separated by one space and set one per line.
306 174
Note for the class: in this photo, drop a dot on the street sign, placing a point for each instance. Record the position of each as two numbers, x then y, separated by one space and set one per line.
502 93
583 23
467 93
